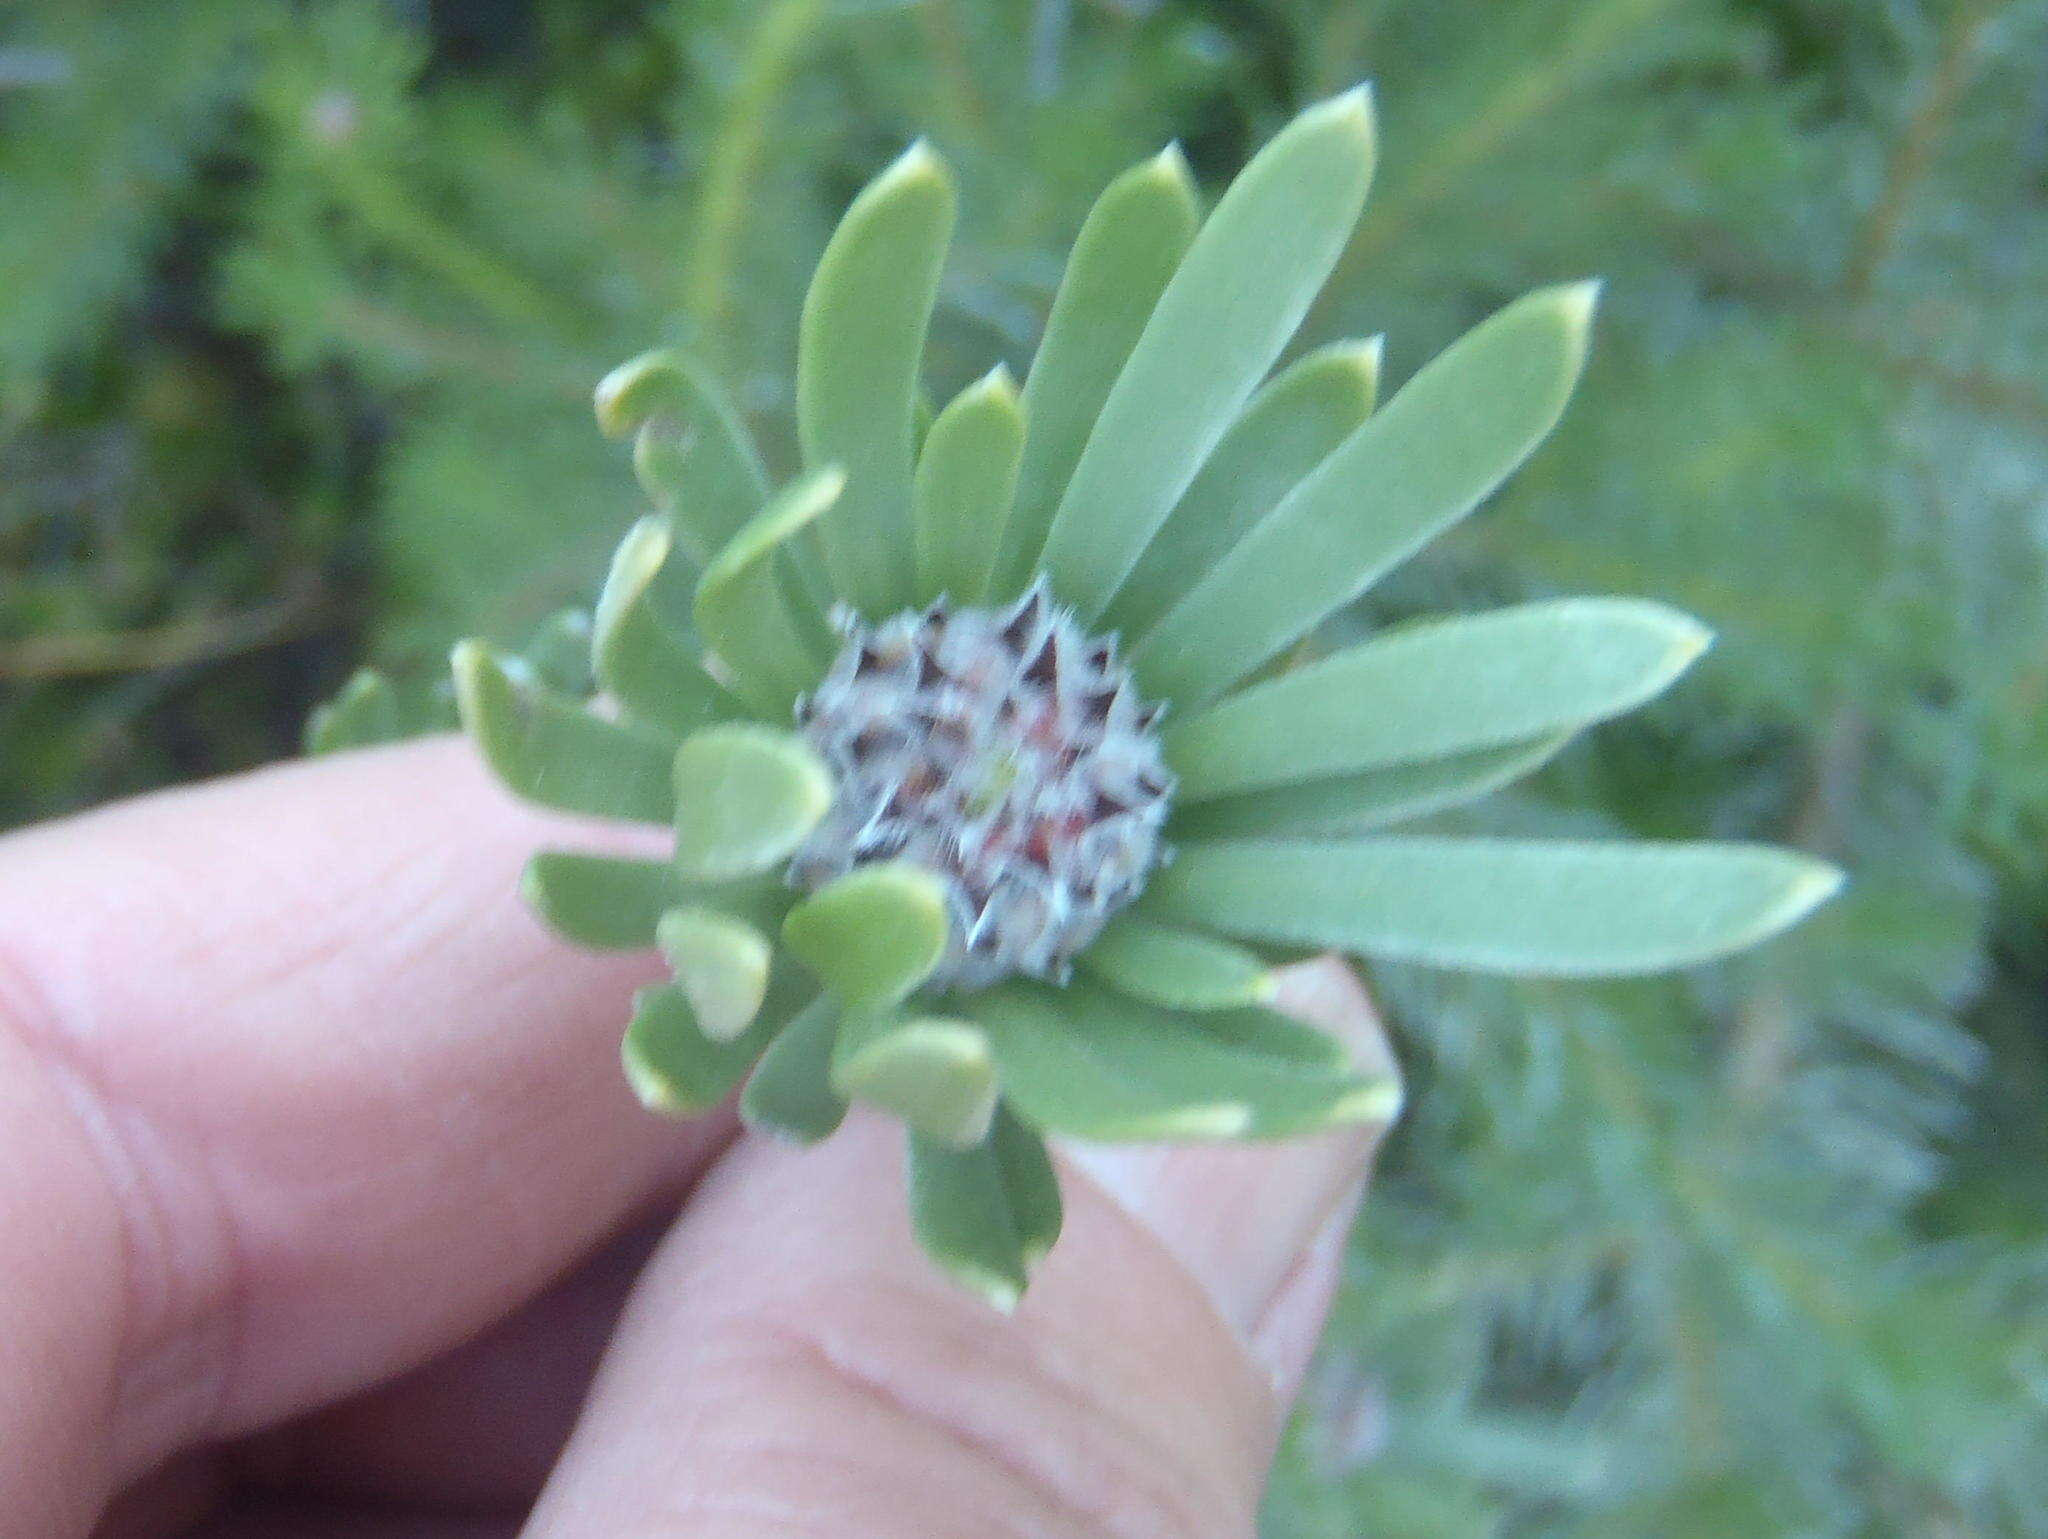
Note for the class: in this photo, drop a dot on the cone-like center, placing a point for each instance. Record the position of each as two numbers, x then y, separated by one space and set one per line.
1007 753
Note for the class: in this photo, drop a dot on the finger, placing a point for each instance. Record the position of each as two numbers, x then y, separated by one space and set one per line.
789 1364
345 1100
476 1430
290 1521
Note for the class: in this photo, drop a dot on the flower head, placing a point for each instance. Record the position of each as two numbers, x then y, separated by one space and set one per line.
1002 761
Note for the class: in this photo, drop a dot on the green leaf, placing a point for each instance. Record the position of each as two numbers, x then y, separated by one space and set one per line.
1540 908
744 610
1083 1062
960 1213
858 353
1240 291
745 797
673 1066
694 457
986 1215
365 712
604 901
721 965
1180 969
872 935
790 1091
934 1073
1127 250
1417 465
1368 799
549 749
1294 421
1434 689
965 480
654 674
558 653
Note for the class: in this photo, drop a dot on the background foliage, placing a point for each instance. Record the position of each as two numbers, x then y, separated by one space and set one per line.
299 312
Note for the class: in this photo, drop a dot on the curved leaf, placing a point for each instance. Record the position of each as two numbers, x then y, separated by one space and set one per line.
673 1066
790 1091
1417 465
1540 908
1288 428
1438 688
872 935
745 797
604 901
653 673
934 1073
548 749
965 479
694 457
743 611
1236 298
859 350
1127 249
986 1215
721 965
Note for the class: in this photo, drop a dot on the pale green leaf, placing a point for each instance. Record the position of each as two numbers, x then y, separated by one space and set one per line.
605 901
1127 249
558 653
1030 1184
966 477
1229 309
745 612
365 713
872 935
1288 428
745 797
859 350
934 1073
653 673
1369 799
548 749
790 1091
694 457
673 1066
986 1215
1437 688
1540 908
1181 969
1089 1064
721 965
1416 466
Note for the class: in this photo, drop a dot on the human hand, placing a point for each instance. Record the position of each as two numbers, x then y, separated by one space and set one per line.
321 1199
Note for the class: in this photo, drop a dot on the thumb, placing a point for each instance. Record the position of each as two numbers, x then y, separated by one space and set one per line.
790 1365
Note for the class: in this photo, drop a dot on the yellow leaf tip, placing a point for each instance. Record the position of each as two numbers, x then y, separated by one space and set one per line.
1578 301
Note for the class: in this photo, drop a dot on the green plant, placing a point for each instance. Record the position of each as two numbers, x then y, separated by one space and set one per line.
908 715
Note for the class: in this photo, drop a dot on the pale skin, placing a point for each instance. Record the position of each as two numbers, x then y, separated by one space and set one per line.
325 1214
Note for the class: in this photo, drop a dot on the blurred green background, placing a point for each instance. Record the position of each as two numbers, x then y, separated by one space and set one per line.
300 307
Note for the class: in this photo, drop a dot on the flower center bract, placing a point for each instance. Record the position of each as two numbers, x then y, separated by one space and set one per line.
1007 753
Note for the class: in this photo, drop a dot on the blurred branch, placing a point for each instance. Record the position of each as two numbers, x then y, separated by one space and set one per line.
177 644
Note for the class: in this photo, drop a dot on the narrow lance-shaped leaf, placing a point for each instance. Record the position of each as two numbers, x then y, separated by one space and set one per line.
549 749
790 1091
937 1074
1437 688
745 797
641 663
1127 249
1417 465
1368 799
1541 908
859 349
1180 969
1286 430
1089 1064
605 901
721 965
989 1214
743 611
966 477
1242 288
872 935
694 457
